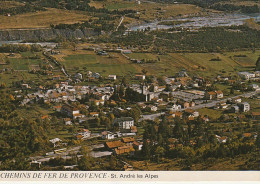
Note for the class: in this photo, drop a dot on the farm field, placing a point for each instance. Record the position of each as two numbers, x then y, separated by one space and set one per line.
194 63
101 64
42 19
248 57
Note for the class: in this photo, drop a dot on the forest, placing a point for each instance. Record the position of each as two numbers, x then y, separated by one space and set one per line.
208 39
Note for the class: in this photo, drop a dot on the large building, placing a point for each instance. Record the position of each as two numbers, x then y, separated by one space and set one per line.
124 122
69 110
246 75
244 107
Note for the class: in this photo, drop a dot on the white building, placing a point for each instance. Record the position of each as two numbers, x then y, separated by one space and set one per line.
83 134
244 107
124 122
69 110
112 77
246 75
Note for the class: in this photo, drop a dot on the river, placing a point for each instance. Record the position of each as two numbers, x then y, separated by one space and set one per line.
213 20
43 44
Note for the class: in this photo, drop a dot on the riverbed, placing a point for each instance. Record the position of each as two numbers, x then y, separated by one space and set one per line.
212 20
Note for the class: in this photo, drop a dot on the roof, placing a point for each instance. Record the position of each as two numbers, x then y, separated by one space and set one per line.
137 143
44 117
55 140
133 128
124 119
69 107
189 110
178 113
128 139
255 113
219 92
124 149
83 130
114 144
211 93
247 134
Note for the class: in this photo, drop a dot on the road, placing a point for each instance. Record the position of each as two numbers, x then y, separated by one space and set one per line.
72 151
205 105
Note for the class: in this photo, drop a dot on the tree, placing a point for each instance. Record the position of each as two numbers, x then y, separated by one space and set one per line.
146 150
135 113
257 68
159 152
144 71
85 162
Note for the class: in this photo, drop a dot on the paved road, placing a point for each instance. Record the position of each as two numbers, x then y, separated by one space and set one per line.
205 105
72 151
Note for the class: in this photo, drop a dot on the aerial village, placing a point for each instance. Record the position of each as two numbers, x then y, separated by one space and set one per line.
121 107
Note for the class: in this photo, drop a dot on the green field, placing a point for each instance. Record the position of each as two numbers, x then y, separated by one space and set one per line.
120 5
249 60
95 63
142 56
213 114
168 64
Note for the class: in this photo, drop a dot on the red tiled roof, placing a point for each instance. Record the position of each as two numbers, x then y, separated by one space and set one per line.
128 139
114 144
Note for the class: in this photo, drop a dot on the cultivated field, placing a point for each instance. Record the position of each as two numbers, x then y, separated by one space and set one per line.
42 19
195 63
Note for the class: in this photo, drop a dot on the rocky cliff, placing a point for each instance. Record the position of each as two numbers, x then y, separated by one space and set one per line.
43 34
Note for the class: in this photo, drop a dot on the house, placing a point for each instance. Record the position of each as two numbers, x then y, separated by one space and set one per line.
55 141
219 94
128 140
56 77
234 109
126 51
133 129
254 86
102 53
222 139
257 73
35 164
140 77
173 107
246 75
107 135
128 167
237 100
112 77
177 114
210 95
25 86
114 144
124 122
67 121
83 134
255 115
247 135
94 114
192 104
78 76
141 105
137 145
152 108
244 107
222 105
96 75
186 105
124 150
69 110
192 113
